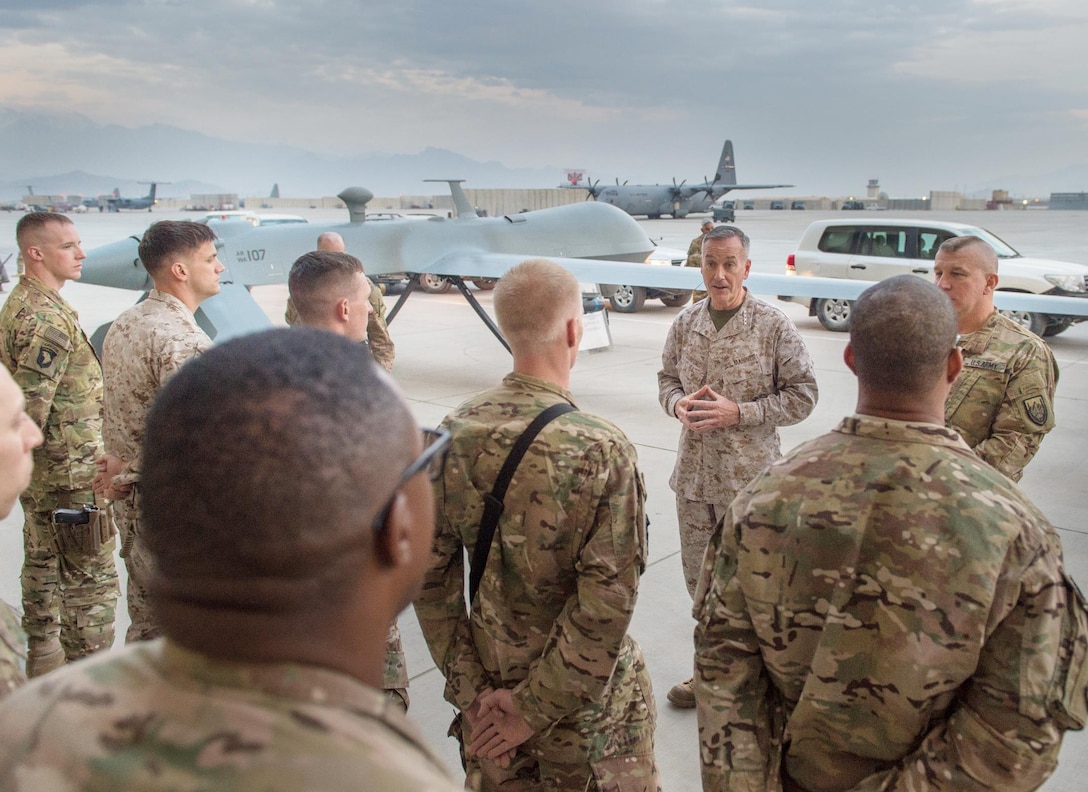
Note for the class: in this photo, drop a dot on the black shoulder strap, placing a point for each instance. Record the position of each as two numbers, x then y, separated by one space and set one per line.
493 501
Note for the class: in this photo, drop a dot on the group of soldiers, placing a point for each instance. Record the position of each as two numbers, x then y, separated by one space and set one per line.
880 608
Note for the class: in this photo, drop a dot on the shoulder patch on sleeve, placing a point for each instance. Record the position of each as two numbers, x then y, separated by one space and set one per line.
1036 410
57 336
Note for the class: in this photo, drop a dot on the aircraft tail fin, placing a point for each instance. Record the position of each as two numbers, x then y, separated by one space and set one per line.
116 192
151 195
460 200
727 169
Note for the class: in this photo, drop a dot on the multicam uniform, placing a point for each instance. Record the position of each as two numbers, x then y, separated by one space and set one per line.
1003 401
695 259
69 593
892 614
395 678
377 333
12 650
551 615
154 716
144 347
759 361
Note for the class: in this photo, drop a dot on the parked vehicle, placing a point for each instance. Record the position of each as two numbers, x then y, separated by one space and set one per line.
873 250
630 299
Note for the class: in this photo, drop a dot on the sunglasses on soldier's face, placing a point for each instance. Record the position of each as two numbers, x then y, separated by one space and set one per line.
436 444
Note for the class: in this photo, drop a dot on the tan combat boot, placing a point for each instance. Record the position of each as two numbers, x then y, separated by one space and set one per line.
43 657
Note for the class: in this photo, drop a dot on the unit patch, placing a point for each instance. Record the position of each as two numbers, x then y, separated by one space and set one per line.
1036 410
46 356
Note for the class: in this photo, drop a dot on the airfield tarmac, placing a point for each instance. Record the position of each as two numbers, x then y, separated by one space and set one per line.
445 355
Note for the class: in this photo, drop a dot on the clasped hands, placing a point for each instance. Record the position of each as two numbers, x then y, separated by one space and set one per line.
496 727
107 466
706 409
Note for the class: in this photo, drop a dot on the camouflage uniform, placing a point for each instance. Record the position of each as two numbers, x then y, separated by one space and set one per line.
12 650
1003 401
69 595
154 716
888 612
395 678
551 615
695 259
759 361
377 333
145 346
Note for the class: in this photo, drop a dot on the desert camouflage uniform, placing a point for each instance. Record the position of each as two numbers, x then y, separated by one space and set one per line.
395 678
891 613
377 333
12 650
759 361
154 716
695 259
1003 401
145 346
551 615
69 597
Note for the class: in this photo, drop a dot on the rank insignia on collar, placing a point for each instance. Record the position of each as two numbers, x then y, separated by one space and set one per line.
1035 407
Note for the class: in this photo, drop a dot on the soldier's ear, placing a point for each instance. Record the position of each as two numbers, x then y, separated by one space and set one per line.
848 358
955 364
179 271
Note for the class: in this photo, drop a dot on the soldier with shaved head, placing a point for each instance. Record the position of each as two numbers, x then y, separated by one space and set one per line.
1003 402
281 553
553 693
880 609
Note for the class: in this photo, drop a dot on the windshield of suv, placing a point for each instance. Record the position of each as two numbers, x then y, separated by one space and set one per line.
1003 249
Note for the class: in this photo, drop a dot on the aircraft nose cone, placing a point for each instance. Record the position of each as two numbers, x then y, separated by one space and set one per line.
116 264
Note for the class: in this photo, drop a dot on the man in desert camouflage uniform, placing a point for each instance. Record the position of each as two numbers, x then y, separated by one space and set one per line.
69 578
695 256
330 292
377 333
144 347
19 436
1003 402
733 370
553 693
274 592
881 609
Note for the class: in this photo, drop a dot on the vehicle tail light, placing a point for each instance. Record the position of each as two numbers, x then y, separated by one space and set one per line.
791 264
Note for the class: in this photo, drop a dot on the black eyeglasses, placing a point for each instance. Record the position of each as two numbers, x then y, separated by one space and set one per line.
436 444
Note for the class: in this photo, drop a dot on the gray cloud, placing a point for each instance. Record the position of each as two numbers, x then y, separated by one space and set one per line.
922 94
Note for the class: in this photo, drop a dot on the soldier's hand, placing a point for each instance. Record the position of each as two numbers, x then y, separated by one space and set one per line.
500 729
108 466
472 715
706 409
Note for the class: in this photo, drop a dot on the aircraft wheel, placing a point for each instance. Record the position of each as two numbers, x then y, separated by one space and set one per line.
628 299
434 284
676 300
485 284
1036 323
834 314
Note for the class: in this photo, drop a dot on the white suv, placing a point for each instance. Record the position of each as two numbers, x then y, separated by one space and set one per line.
872 250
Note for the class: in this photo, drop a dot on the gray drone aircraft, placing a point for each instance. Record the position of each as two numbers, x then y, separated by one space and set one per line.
678 200
598 243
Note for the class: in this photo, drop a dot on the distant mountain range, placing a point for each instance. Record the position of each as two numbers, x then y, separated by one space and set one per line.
69 153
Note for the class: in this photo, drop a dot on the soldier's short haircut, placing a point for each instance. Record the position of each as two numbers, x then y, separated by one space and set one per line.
32 223
166 239
532 302
320 278
984 250
266 459
902 331
728 232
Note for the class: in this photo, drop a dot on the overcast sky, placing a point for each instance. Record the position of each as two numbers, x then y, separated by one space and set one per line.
923 95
